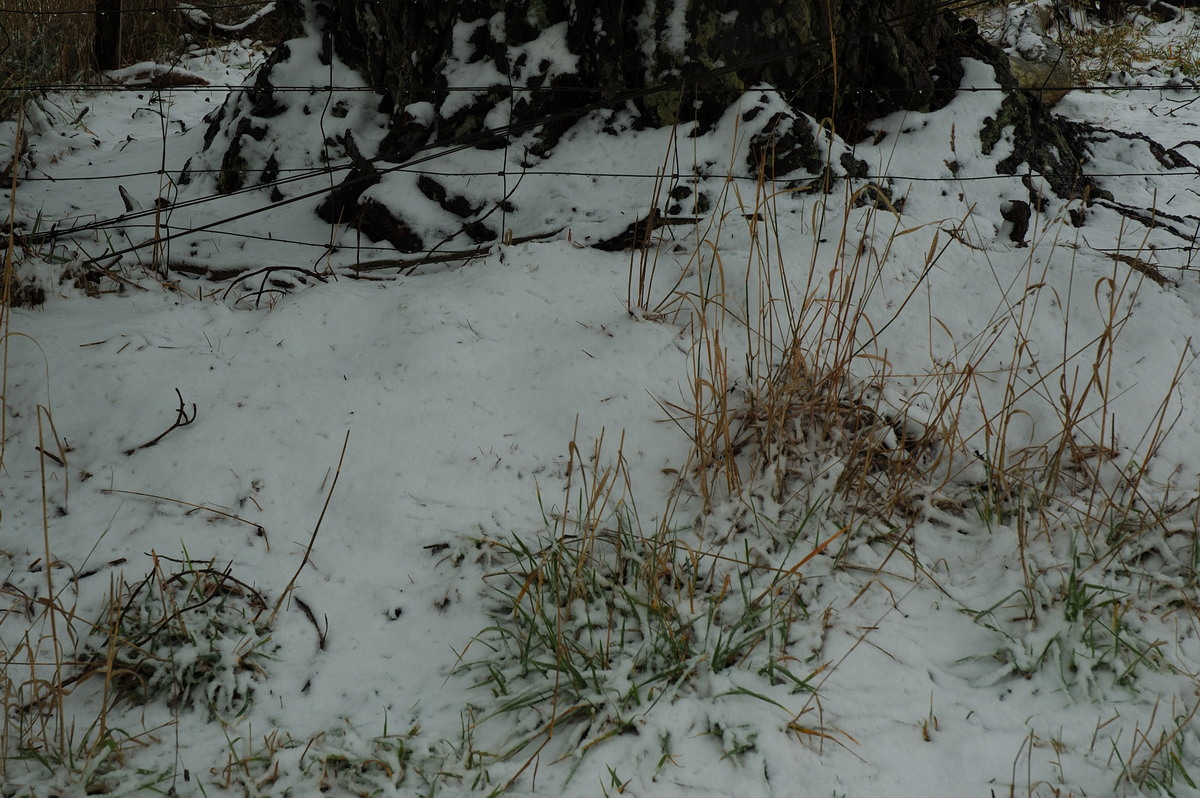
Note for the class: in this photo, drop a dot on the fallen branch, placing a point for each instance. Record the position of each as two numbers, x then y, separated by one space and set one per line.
217 275
266 272
181 420
1142 267
406 265
200 22
640 234
291 585
153 75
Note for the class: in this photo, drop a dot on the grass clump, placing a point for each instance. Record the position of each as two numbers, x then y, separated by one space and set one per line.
1099 47
597 620
190 637
1005 444
1083 634
338 761
186 635
1164 763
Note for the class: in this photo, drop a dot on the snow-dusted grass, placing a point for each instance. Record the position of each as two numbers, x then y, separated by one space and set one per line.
826 489
598 620
1143 42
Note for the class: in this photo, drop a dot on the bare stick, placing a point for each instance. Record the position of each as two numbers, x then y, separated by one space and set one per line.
313 539
182 419
258 528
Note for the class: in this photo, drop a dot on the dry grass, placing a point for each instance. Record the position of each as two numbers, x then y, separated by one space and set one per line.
803 397
793 397
789 396
8 282
1097 48
599 620
50 42
187 635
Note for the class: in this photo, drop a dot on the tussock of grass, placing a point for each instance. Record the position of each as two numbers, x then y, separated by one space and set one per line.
184 636
192 637
339 761
597 621
1099 49
791 403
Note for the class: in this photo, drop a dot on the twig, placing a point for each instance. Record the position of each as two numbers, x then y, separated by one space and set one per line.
405 265
266 272
1142 267
408 264
259 528
51 455
313 538
201 23
181 420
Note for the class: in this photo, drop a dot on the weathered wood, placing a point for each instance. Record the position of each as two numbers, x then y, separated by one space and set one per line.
107 44
197 21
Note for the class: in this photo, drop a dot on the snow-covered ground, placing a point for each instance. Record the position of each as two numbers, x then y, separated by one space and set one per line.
999 608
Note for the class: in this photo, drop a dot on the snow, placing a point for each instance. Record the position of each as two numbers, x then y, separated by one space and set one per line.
201 19
467 397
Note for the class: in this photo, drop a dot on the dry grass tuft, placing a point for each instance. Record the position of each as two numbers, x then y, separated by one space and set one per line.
187 635
598 620
44 44
1098 48
795 410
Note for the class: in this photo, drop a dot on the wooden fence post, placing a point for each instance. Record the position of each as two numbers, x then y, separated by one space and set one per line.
108 34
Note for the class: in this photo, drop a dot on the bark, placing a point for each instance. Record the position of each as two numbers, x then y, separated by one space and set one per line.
883 55
483 71
107 44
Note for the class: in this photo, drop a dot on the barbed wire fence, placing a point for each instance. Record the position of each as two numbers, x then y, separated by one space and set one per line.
1178 89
